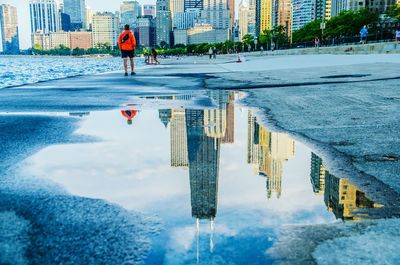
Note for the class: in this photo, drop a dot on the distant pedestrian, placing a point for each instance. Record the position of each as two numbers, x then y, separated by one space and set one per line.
127 45
154 55
364 34
316 42
215 53
398 35
210 52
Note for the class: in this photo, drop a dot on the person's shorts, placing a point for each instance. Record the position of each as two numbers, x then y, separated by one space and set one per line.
126 53
363 38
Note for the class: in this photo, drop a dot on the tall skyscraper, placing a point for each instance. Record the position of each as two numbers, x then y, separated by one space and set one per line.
243 19
146 31
89 17
319 7
302 13
340 196
317 174
149 10
130 11
179 152
9 29
252 18
65 22
264 12
176 6
105 29
284 15
187 19
76 9
189 4
163 22
267 151
216 13
203 156
231 8
44 16
230 120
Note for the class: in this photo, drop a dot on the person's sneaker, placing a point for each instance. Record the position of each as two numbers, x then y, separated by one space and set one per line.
126 74
133 73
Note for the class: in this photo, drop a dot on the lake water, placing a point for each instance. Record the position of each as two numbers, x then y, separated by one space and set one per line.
221 183
20 70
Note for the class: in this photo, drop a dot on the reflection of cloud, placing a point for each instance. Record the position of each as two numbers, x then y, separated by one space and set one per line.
182 237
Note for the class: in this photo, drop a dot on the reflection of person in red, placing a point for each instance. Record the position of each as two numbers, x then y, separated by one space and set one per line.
129 115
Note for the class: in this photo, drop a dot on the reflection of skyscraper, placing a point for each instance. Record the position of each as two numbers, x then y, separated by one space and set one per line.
203 156
179 152
317 174
165 116
272 149
8 29
230 120
340 196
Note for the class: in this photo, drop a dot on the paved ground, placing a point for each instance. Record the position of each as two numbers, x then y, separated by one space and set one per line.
352 122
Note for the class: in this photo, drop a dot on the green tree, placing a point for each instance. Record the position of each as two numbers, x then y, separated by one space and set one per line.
248 39
394 11
347 23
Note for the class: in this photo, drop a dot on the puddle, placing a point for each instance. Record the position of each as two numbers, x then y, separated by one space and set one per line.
222 183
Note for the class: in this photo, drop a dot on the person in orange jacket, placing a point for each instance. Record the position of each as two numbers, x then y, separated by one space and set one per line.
127 45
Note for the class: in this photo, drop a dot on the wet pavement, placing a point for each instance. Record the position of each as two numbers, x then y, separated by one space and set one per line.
152 169
220 184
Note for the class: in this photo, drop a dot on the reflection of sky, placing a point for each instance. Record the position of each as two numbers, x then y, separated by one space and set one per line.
131 167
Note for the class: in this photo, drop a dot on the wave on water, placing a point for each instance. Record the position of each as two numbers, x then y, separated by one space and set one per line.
22 70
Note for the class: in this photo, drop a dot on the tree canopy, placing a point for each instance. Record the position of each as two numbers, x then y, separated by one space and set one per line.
347 23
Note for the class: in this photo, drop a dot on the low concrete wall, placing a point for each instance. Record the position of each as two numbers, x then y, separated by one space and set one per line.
384 47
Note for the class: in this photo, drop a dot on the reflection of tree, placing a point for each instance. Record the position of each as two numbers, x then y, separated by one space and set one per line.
340 196
267 151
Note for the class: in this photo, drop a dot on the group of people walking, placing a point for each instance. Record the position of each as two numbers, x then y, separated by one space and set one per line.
212 52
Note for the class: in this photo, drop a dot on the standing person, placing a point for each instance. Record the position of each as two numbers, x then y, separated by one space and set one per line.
398 35
316 42
215 53
154 54
210 52
127 45
364 34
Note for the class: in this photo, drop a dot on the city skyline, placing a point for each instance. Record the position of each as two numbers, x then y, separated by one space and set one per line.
98 6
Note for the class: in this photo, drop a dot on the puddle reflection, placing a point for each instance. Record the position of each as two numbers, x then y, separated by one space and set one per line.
221 181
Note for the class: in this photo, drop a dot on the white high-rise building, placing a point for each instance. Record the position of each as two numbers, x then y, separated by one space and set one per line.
302 13
243 19
105 29
44 16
